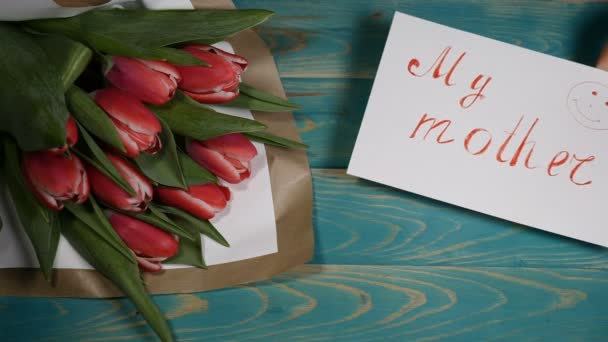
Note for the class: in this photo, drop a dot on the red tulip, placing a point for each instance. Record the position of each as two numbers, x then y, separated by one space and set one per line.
150 244
113 195
216 83
152 82
71 132
227 156
602 62
137 126
55 178
202 201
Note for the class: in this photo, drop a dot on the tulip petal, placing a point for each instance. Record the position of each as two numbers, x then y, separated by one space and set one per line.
214 195
83 188
71 132
226 191
213 161
127 110
202 201
236 59
55 178
136 180
216 77
235 145
245 174
112 194
107 191
165 68
136 142
45 198
147 143
143 82
243 168
217 83
149 265
131 147
240 166
143 238
226 156
213 98
181 199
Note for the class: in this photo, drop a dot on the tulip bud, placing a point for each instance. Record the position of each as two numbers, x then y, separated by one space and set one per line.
71 132
150 244
152 82
216 83
55 178
137 126
227 156
202 201
112 194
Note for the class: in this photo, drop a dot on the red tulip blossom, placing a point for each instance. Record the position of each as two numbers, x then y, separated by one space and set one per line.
216 83
153 82
112 194
227 156
202 201
150 244
55 178
137 126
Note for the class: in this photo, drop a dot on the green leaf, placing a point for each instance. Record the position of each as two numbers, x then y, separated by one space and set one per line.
161 223
114 45
92 117
202 226
265 96
69 57
193 172
158 213
271 139
163 167
32 105
190 252
171 55
188 118
155 29
99 160
40 223
89 214
255 99
123 273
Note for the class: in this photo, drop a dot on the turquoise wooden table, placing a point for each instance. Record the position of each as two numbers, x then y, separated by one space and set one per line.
388 265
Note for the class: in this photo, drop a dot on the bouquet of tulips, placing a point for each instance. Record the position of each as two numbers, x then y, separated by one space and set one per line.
108 138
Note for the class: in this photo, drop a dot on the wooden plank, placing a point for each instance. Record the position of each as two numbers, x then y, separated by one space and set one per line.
437 284
345 303
360 222
344 38
330 118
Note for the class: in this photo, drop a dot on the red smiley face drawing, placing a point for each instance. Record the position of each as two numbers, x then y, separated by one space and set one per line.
588 104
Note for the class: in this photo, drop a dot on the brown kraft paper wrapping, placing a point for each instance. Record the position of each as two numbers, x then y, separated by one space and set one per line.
292 196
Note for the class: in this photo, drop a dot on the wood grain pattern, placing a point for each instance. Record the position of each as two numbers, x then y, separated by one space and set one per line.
344 39
347 303
330 118
390 265
360 222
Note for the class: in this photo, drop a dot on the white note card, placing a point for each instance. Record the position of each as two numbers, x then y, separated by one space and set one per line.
489 126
